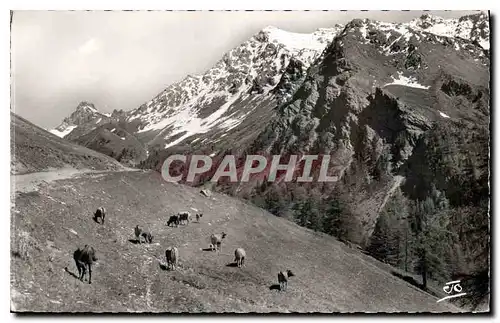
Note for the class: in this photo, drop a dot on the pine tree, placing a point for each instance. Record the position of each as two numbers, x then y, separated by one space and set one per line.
275 200
432 236
307 214
471 225
380 244
301 210
332 220
391 238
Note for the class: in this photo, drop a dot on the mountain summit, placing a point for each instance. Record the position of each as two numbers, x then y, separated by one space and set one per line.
85 112
472 27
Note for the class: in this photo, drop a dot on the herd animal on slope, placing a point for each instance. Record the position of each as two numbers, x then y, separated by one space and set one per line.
140 233
85 257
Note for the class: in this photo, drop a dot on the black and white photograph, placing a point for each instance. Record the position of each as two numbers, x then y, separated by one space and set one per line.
250 161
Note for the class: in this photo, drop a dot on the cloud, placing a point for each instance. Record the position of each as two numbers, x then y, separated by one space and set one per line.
90 46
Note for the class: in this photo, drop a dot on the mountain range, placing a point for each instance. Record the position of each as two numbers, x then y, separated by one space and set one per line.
254 69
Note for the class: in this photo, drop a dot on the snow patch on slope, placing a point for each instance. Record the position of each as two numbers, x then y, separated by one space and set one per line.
484 43
444 115
406 81
63 133
189 124
296 41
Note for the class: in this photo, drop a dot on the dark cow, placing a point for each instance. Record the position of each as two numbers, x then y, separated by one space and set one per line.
216 241
172 256
100 213
184 217
174 219
283 279
198 216
137 233
83 259
147 237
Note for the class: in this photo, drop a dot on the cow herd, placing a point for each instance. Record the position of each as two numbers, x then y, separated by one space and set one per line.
85 257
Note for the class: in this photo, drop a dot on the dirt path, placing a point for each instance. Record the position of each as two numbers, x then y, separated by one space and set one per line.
30 182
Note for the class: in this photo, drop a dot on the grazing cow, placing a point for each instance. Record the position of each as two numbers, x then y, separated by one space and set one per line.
198 216
184 217
84 258
172 255
283 279
174 219
147 237
239 257
100 213
137 233
216 240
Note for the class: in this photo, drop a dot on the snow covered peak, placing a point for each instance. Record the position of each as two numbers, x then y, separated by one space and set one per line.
299 41
427 17
86 106
254 67
472 27
270 29
85 112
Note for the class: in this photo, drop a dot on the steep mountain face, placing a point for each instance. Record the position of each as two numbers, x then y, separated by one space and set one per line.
373 65
379 88
238 88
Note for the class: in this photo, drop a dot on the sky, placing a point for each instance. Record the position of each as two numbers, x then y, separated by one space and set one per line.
122 59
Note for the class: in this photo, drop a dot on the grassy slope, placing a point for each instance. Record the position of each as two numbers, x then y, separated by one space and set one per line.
110 140
35 149
128 277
